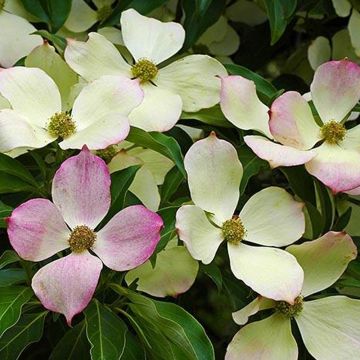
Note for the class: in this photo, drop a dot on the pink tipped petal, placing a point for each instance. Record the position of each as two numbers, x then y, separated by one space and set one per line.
270 272
355 191
31 93
292 123
129 238
241 105
272 217
150 38
37 230
276 154
108 130
335 89
67 285
323 260
337 168
81 189
268 339
214 175
201 238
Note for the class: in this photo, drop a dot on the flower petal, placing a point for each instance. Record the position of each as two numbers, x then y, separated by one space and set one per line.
323 260
241 105
37 230
330 328
195 79
272 217
337 168
15 39
276 154
31 93
292 123
268 339
214 175
352 139
150 38
95 57
159 111
16 132
107 130
272 273
129 238
81 189
202 239
81 17
319 51
241 316
67 285
174 273
335 89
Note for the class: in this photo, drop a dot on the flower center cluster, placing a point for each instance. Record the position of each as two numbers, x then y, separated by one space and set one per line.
104 12
81 238
144 69
290 310
61 125
108 153
333 132
233 230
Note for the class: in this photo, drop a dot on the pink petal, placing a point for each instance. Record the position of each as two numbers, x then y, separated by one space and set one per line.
276 154
67 285
129 238
292 123
337 168
355 191
335 89
81 189
37 230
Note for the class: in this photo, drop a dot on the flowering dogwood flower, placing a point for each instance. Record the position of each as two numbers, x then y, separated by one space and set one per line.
335 90
188 84
98 118
271 218
39 228
15 39
329 326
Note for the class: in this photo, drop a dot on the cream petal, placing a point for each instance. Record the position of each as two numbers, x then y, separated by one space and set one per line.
353 28
319 52
81 17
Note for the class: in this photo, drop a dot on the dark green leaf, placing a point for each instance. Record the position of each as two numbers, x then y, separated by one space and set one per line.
13 184
12 276
159 142
58 41
214 273
73 345
8 257
172 181
211 116
105 331
343 220
11 302
27 330
5 211
326 203
317 221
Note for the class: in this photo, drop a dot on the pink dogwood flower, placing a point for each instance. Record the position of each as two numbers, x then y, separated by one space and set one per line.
39 228
335 90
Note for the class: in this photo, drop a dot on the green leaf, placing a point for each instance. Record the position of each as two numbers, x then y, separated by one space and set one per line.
11 302
73 345
280 13
267 92
211 116
199 15
169 231
343 220
326 205
58 41
27 330
12 276
8 257
12 184
159 142
52 12
105 331
172 181
214 273
5 211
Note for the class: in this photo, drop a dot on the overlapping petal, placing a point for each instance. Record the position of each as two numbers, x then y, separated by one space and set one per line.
81 16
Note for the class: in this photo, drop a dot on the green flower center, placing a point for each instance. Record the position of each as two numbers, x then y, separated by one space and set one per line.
104 12
108 153
233 230
81 238
61 125
290 310
144 69
333 132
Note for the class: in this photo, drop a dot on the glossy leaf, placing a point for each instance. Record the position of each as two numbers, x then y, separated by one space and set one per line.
8 257
12 276
5 211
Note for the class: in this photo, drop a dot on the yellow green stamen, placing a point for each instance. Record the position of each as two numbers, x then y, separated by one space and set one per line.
333 132
61 125
81 238
233 230
144 69
289 310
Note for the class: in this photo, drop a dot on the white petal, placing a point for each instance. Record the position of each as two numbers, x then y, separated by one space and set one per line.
159 111
330 328
150 38
81 18
202 239
31 93
272 217
195 78
15 39
270 272
214 175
